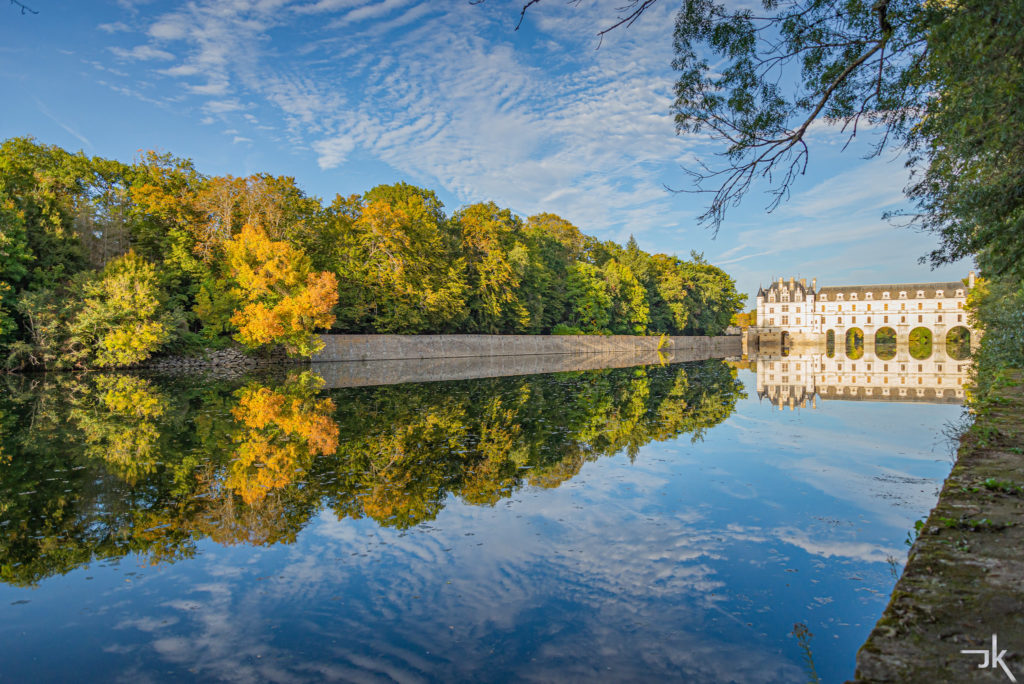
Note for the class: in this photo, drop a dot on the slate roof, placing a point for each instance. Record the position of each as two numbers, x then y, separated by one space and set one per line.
948 290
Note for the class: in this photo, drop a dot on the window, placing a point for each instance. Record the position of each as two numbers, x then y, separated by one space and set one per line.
839 321
785 320
959 293
839 297
920 319
798 320
939 305
920 294
853 296
903 306
920 306
869 295
824 297
940 318
854 307
771 321
959 318
869 307
885 307
886 368
854 319
903 294
785 308
938 293
885 295
839 308
903 319
869 319
771 297
959 305
823 320
771 309
920 368
886 319
938 368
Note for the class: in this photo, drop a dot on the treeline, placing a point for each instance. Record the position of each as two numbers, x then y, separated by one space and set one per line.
104 263
101 465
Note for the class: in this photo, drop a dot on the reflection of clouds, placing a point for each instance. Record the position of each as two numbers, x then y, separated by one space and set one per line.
862 551
618 574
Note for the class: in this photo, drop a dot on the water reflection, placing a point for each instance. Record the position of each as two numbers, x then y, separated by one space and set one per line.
802 379
631 524
99 466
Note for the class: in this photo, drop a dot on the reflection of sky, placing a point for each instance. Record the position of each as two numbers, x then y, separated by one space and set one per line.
693 562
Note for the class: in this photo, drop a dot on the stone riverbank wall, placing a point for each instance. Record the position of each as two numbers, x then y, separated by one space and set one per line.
386 347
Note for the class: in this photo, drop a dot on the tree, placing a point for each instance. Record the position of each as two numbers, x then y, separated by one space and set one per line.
282 300
398 264
496 260
589 301
970 141
629 309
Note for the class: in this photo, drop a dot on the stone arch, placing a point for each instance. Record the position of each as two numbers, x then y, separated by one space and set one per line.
854 343
885 343
958 343
830 344
920 342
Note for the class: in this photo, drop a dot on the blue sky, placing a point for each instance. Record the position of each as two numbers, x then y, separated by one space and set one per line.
346 94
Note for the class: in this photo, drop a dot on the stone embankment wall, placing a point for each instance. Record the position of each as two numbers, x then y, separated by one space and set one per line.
383 347
962 582
395 371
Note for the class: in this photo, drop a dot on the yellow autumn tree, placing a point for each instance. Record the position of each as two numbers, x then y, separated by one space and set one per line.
281 300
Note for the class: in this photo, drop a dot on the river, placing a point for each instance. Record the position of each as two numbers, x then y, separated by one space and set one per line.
681 521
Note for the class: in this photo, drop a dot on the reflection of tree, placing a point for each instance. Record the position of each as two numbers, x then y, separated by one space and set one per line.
920 343
958 343
118 418
284 429
885 344
854 343
119 464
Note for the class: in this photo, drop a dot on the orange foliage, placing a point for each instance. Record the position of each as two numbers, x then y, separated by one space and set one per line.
284 430
282 300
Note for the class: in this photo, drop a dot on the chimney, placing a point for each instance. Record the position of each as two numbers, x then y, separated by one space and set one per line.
970 279
814 283
780 282
803 282
792 281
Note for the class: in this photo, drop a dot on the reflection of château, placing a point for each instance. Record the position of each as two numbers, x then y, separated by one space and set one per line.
800 379
900 342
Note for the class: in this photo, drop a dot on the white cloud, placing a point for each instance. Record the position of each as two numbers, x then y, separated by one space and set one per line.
333 151
141 52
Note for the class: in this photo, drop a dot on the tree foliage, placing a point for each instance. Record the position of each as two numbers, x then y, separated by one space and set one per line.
105 263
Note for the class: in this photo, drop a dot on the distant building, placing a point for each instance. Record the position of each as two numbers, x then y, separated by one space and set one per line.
805 313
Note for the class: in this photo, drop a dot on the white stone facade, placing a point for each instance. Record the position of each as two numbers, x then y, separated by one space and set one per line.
807 314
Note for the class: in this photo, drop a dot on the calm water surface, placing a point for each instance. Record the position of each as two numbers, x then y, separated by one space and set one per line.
631 524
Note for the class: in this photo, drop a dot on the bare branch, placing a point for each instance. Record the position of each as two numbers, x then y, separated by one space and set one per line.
25 9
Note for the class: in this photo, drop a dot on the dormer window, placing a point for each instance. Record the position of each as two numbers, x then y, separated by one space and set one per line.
771 297
885 295
920 294
853 296
839 296
959 293
938 293
824 297
903 294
